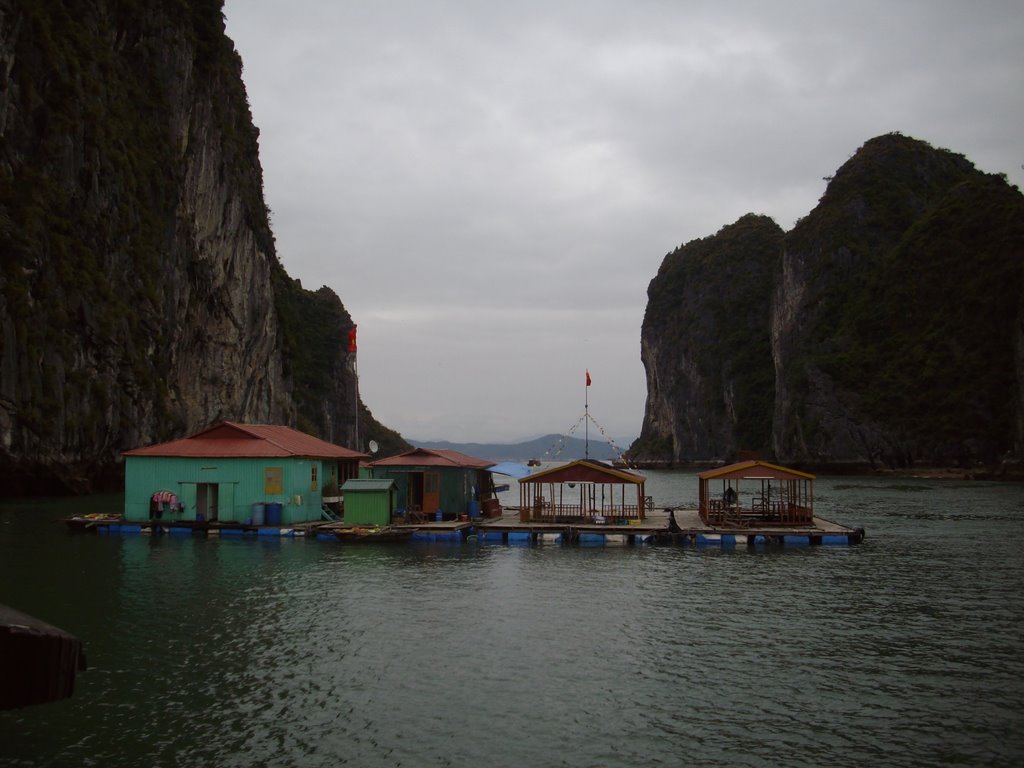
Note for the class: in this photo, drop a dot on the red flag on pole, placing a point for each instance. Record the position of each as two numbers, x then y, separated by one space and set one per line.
352 339
588 377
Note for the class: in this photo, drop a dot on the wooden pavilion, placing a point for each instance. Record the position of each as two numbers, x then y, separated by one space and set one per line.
581 491
756 493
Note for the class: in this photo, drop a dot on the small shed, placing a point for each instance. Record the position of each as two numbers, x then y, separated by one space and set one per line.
234 473
430 481
369 502
582 490
756 493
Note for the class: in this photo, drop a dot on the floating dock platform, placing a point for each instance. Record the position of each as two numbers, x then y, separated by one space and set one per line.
669 526
680 527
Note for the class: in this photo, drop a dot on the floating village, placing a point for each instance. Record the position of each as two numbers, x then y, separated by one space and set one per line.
264 480
254 480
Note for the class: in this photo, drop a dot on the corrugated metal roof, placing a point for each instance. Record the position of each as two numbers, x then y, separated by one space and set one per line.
364 484
584 471
229 440
753 470
433 457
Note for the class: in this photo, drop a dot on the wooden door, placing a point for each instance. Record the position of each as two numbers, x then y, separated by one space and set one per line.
431 492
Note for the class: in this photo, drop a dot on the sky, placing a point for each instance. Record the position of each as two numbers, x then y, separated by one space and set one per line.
490 187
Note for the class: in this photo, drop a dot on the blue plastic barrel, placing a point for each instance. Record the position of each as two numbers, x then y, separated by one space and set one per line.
274 513
835 540
257 513
439 516
473 508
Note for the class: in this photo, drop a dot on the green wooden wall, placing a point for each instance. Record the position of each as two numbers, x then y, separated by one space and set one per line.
456 486
240 483
369 505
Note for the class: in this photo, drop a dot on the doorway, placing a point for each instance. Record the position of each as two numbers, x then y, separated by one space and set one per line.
425 492
207 498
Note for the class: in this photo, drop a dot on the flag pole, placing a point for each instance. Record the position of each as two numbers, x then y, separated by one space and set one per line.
586 417
355 382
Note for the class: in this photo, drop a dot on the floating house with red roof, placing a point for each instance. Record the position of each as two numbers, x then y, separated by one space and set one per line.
429 481
236 473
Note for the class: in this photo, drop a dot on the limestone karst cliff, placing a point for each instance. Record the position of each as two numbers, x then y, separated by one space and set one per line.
141 296
889 334
893 330
706 348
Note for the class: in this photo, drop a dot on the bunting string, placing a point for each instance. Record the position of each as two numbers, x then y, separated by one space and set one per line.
558 445
552 453
620 454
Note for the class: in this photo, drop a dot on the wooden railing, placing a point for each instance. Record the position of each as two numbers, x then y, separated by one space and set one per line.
543 511
760 512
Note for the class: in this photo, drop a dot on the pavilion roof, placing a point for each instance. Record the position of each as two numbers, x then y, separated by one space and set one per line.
584 471
754 470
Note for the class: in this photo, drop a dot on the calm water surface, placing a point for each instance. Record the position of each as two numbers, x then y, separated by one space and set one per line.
907 650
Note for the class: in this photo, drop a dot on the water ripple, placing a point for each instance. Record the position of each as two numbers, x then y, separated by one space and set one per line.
905 651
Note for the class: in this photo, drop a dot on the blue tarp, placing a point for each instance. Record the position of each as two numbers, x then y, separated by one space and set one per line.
510 468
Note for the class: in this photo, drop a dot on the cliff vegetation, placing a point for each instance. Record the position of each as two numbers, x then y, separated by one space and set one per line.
141 296
705 340
889 336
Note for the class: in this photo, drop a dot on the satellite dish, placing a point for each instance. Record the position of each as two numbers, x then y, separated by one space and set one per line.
373 446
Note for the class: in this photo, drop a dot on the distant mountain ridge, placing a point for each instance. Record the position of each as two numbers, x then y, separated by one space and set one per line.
547 448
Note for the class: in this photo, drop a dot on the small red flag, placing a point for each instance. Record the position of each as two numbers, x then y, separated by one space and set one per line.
352 339
588 377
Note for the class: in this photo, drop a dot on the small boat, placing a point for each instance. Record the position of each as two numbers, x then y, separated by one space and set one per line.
39 661
370 534
533 463
84 522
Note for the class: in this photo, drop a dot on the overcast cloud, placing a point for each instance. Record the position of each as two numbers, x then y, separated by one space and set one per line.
490 187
